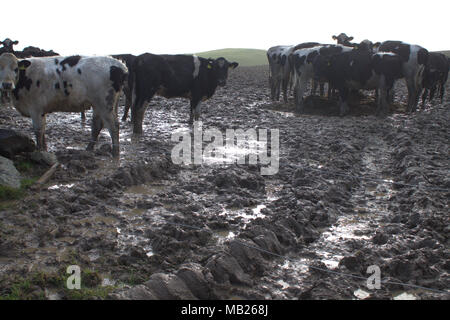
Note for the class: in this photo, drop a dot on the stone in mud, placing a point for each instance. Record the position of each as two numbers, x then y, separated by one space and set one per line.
9 176
413 220
247 256
44 158
265 239
13 142
380 238
193 276
76 166
139 292
401 269
169 287
352 263
226 269
241 178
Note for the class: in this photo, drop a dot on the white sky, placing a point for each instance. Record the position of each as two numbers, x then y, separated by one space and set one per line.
172 26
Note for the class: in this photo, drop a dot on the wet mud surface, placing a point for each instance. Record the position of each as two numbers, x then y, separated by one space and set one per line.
350 192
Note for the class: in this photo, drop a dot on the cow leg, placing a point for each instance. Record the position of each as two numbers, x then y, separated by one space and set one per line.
195 110
39 131
313 87
96 127
330 92
83 116
112 124
322 88
127 104
343 105
432 92
137 115
301 87
277 89
442 91
285 84
424 97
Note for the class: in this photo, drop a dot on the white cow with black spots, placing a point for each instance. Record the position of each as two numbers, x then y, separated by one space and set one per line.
68 84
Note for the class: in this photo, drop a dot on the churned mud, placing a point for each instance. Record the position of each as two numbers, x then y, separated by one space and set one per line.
350 193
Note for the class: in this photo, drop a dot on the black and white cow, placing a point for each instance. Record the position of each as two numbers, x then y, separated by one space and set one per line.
279 71
68 84
172 76
360 69
302 61
435 76
344 40
8 45
414 59
128 59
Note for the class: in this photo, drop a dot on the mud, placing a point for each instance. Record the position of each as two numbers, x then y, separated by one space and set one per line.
351 192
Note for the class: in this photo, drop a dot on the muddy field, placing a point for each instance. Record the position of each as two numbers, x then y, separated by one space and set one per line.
350 193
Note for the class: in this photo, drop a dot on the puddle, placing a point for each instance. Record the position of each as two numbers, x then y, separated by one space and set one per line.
405 296
61 186
361 294
222 235
234 154
125 241
247 214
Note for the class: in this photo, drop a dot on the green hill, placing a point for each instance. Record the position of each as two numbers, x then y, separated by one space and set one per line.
245 57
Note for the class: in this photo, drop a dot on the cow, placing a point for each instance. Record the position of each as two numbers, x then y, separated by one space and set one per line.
279 71
360 69
344 40
31 51
171 76
68 84
414 59
8 45
128 59
302 63
435 76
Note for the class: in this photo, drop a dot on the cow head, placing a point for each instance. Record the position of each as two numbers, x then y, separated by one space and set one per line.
10 68
8 44
367 45
219 67
343 39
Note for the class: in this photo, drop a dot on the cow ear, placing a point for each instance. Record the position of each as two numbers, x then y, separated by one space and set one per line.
334 37
350 39
23 64
16 42
233 65
376 45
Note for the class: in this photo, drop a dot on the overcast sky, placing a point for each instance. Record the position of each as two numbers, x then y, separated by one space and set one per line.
171 26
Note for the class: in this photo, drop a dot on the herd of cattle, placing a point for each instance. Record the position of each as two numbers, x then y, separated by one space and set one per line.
349 66
42 85
41 82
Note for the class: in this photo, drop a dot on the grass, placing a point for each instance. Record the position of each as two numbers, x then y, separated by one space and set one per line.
248 57
245 57
33 287
8 193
